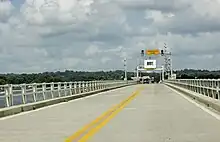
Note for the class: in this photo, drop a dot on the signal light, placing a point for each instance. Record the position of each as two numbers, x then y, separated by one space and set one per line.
142 52
162 52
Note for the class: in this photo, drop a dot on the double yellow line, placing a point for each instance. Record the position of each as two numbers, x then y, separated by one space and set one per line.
90 129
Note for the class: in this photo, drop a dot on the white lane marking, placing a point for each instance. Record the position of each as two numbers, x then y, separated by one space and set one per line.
55 105
130 108
217 116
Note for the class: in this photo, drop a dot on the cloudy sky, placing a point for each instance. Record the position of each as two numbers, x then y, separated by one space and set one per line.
51 35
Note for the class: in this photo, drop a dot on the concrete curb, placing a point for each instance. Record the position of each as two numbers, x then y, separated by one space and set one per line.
209 102
32 106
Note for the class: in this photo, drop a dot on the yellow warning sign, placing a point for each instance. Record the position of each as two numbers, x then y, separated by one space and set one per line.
153 52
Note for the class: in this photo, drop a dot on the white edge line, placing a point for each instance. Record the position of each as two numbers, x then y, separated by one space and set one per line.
55 105
217 116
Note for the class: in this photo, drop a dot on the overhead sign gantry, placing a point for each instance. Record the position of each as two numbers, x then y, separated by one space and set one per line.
149 63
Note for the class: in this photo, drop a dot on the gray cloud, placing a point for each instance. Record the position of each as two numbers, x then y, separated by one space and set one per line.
96 35
5 10
164 6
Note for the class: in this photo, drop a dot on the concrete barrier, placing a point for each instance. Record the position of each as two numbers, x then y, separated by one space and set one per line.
209 102
32 106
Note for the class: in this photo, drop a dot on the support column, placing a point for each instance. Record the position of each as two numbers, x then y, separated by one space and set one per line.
162 73
137 72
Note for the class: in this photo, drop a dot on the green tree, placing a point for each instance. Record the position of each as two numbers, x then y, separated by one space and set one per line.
2 81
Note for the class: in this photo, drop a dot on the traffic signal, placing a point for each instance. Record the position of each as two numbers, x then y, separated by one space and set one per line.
142 52
162 52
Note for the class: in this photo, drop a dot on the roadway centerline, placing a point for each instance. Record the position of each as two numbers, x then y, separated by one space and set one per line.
90 129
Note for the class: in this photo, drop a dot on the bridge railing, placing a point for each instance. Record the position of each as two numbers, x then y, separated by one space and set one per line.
11 95
207 87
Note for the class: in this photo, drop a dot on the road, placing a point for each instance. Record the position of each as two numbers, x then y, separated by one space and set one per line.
140 113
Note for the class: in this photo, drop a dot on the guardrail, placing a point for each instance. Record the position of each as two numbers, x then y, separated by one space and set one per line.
12 95
206 87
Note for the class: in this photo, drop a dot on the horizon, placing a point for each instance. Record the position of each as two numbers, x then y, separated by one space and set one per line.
100 71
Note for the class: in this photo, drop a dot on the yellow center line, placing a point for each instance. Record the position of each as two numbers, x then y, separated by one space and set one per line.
92 132
90 125
90 129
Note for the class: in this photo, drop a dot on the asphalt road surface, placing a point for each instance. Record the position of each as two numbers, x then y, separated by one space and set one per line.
140 113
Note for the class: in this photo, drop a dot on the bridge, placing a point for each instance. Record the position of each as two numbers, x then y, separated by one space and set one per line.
111 111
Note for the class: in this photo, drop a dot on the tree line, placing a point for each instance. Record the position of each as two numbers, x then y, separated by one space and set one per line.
197 74
67 76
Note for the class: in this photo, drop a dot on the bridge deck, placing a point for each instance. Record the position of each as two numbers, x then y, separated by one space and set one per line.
156 114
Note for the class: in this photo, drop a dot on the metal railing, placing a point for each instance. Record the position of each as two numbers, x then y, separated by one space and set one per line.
11 95
206 87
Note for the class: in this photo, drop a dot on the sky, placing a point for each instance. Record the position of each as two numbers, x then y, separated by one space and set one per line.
91 35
